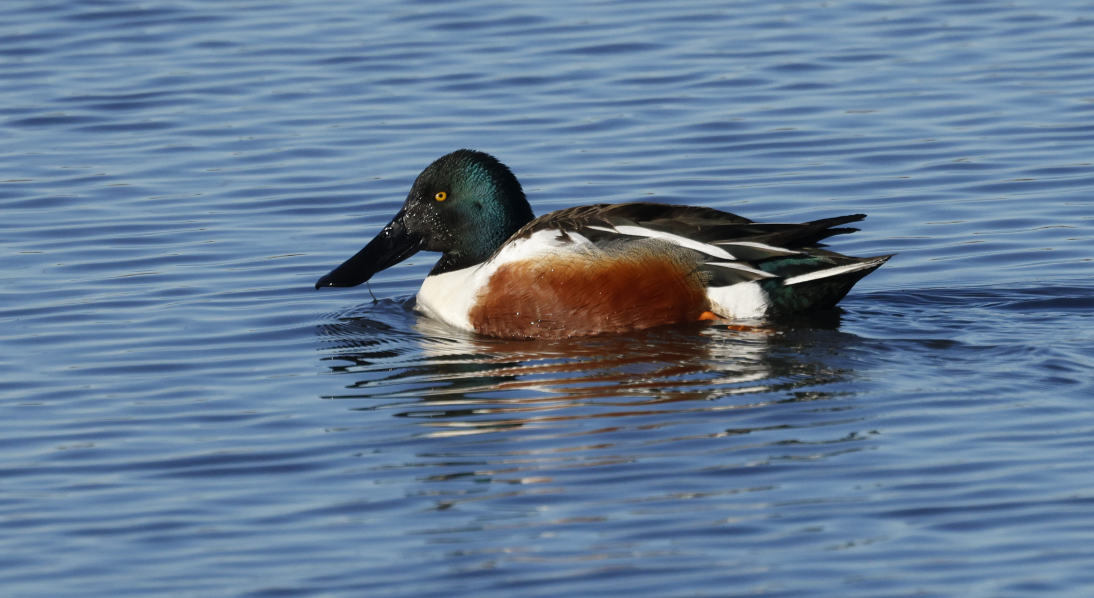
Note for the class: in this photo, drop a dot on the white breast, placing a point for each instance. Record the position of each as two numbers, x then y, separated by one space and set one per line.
449 297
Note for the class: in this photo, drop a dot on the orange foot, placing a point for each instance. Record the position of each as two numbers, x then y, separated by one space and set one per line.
713 318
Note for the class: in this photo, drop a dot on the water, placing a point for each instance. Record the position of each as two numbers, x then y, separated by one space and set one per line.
182 414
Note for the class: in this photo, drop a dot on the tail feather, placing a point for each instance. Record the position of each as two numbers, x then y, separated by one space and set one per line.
810 233
820 289
869 264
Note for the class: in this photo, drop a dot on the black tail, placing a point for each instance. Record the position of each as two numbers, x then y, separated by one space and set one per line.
821 289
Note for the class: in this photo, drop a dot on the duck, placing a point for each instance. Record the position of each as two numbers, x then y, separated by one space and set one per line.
595 269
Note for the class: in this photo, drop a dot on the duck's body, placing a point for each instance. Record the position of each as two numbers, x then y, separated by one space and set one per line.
599 268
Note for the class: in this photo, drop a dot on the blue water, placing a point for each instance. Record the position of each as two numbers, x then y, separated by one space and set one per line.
182 414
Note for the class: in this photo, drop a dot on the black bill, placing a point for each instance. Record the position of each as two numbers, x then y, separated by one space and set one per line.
393 245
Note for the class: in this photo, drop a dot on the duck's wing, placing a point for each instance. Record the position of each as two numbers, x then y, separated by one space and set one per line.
678 219
713 232
782 257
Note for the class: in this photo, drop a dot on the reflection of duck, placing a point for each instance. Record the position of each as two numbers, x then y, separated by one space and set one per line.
611 365
458 384
597 268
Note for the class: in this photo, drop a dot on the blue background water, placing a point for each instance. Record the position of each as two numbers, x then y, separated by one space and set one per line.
182 414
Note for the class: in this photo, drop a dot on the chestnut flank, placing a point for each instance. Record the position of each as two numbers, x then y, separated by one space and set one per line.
560 297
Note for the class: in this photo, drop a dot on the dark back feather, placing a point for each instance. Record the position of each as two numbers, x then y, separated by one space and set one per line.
705 225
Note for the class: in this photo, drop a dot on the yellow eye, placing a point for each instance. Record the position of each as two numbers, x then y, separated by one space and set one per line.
440 196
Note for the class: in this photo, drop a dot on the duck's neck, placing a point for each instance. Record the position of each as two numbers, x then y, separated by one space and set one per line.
475 247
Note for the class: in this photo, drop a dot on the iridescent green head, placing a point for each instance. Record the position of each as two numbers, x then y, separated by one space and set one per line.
464 205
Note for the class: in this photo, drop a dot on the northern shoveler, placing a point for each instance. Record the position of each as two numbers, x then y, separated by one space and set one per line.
596 268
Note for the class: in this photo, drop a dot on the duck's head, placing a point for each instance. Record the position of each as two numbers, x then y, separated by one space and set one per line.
464 205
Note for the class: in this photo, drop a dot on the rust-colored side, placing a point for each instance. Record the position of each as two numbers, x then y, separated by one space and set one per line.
573 296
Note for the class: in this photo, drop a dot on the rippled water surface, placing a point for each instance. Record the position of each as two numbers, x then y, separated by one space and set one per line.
182 414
